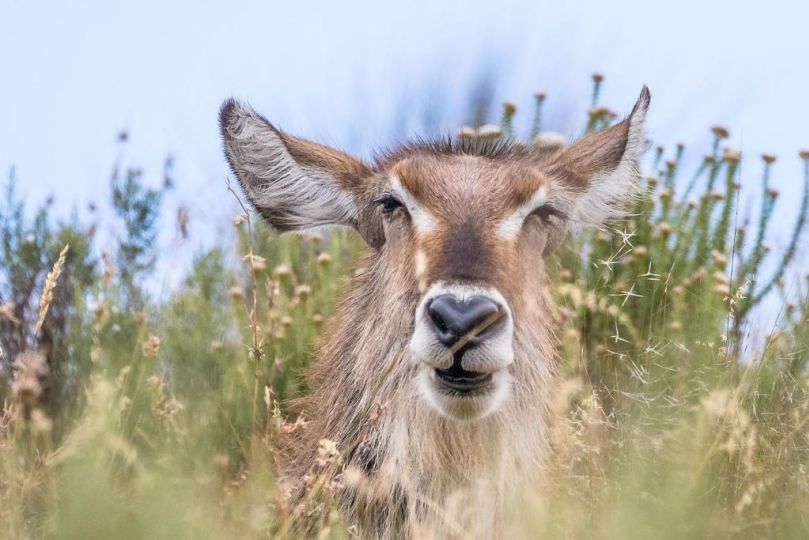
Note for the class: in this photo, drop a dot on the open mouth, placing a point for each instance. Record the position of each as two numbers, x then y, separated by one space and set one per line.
461 380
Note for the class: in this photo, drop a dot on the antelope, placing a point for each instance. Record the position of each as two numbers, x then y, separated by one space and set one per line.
433 378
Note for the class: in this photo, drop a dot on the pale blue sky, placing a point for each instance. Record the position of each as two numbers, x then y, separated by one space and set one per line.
76 73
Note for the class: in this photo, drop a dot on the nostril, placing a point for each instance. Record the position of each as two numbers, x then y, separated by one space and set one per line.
439 321
470 321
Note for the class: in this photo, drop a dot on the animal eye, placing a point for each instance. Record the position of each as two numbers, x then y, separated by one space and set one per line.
546 211
389 203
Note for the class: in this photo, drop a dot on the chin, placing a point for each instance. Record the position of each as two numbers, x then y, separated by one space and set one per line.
465 404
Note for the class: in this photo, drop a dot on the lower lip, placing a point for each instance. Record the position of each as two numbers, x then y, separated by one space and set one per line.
464 384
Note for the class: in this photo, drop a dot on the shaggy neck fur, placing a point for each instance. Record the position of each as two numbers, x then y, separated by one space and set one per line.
406 468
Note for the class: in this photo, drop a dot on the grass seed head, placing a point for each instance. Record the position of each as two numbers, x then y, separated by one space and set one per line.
489 131
664 229
719 258
467 132
281 271
236 292
303 291
50 285
731 156
151 348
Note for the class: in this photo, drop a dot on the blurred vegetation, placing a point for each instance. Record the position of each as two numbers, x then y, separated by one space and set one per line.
133 417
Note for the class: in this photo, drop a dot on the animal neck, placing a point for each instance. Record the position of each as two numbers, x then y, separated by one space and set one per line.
366 401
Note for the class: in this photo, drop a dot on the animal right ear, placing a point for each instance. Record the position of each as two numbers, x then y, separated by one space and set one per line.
293 183
598 173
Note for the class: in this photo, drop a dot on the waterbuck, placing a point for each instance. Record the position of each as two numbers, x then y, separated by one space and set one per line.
434 376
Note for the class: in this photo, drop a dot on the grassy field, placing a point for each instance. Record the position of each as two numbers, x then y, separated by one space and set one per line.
128 416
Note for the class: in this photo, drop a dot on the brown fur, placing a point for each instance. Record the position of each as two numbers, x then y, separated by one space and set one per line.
411 470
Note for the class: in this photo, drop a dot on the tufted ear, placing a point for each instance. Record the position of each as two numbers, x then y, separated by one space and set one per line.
597 176
294 183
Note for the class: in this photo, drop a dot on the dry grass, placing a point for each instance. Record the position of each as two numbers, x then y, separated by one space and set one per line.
160 419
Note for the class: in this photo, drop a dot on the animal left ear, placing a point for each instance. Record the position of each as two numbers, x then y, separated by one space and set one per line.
598 175
296 184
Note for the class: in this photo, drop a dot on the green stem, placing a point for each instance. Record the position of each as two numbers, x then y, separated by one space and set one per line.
536 129
793 244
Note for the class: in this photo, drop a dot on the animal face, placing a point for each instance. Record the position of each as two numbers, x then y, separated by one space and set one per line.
467 224
459 231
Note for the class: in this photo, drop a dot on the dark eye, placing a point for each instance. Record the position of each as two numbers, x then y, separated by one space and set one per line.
546 211
389 203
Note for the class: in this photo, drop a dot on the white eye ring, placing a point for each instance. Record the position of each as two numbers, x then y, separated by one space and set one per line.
510 226
422 219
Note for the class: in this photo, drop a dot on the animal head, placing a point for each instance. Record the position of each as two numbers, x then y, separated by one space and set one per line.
459 231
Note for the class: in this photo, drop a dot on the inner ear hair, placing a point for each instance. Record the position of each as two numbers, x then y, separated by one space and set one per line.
294 183
600 170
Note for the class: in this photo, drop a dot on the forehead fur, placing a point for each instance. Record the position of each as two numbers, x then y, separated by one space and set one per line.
476 171
496 149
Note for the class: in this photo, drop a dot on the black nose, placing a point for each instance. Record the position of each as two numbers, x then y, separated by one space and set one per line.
471 321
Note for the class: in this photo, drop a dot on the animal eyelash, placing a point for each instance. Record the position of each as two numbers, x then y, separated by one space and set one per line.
388 202
546 211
